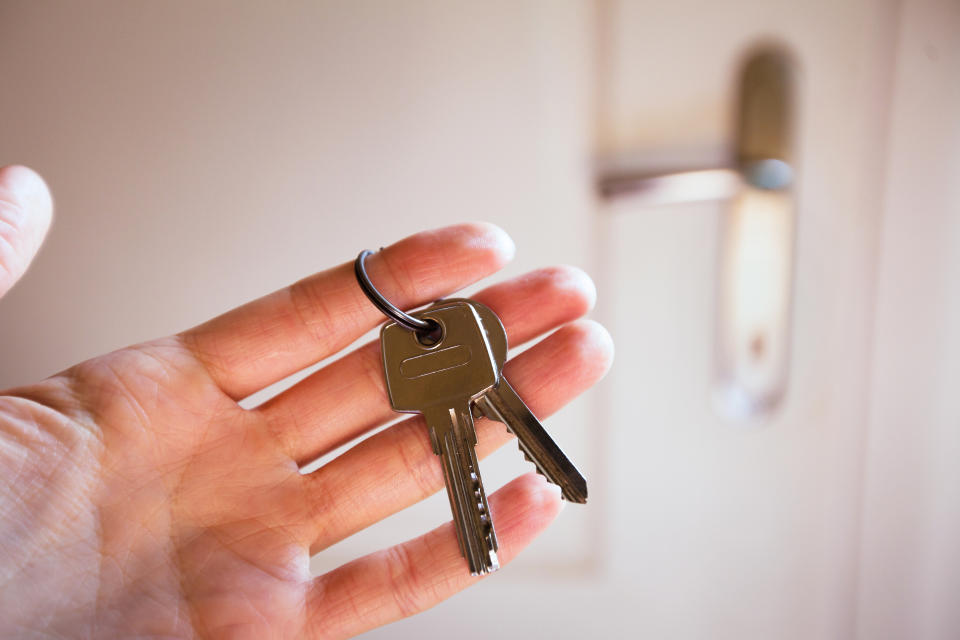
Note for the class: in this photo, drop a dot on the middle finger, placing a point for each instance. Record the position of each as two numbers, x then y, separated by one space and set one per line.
348 397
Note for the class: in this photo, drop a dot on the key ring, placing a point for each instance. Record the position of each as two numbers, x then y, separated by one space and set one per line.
405 320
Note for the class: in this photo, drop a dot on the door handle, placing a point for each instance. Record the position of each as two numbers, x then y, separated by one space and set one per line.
755 267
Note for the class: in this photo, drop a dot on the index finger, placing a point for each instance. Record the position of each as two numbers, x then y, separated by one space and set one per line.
274 336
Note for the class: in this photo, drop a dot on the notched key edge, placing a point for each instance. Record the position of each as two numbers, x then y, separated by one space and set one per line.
574 489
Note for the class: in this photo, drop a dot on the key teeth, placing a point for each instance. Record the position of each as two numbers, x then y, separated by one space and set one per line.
565 495
526 457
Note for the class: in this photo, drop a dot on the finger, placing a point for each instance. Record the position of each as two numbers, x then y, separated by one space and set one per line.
411 577
348 397
268 339
397 467
26 209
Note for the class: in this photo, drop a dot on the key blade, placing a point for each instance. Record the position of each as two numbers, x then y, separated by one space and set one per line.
504 405
454 439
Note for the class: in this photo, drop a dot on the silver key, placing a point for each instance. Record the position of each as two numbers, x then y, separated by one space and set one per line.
501 403
441 380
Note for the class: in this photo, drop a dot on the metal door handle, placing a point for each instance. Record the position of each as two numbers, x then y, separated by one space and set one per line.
755 271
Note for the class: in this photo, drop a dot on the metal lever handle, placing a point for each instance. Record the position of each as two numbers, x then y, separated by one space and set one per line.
762 148
755 274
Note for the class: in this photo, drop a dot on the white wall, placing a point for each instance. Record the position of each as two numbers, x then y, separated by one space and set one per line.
205 153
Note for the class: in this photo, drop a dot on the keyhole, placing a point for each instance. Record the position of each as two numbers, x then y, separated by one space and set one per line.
758 346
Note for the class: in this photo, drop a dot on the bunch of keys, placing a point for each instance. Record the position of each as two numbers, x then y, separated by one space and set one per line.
446 362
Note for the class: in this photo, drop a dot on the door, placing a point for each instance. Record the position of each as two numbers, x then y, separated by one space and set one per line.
734 528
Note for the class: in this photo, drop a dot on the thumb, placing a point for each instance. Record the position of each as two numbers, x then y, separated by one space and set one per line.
25 212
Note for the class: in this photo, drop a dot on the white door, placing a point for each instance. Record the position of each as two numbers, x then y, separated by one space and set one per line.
739 530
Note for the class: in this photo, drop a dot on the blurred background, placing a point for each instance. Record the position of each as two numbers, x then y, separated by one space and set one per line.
775 452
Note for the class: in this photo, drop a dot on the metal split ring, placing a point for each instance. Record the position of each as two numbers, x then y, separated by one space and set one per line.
405 320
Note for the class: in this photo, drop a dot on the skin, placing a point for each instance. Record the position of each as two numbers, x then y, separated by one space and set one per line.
140 500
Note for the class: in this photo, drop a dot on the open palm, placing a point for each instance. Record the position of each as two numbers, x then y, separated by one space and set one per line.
139 499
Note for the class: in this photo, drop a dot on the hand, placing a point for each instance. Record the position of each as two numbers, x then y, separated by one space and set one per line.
138 498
